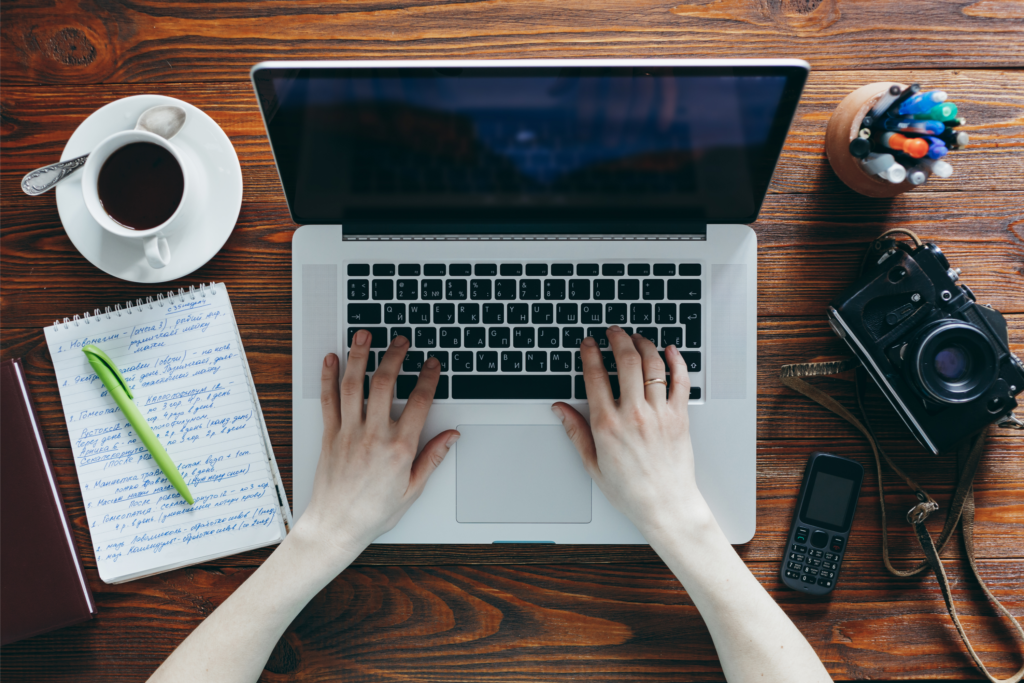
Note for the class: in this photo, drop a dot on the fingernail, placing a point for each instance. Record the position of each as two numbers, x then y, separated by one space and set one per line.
673 350
615 327
400 340
559 413
331 360
431 363
452 439
361 337
589 341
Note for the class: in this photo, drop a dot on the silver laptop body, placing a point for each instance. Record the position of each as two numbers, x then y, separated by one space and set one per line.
508 348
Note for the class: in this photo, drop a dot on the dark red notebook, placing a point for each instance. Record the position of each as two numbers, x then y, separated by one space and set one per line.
42 584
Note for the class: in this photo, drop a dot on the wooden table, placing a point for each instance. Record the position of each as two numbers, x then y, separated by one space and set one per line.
472 613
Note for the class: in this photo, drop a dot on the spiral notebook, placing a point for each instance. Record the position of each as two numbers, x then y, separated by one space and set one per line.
183 358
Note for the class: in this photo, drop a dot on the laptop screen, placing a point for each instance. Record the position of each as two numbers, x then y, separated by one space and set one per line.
424 148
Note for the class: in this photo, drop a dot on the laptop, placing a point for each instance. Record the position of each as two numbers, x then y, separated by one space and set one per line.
496 213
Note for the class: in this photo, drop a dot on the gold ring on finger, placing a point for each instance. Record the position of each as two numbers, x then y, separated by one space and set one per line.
655 381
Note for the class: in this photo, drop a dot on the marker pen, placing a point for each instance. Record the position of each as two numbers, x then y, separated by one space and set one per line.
917 176
922 102
904 96
895 174
954 138
913 126
936 148
937 167
875 163
860 147
915 147
885 101
946 111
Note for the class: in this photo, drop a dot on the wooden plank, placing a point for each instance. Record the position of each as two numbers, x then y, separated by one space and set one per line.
537 623
159 40
39 120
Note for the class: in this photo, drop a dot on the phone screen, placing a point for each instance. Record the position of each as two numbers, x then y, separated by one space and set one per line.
829 500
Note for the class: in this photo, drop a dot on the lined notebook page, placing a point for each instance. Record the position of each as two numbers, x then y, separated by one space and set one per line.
183 359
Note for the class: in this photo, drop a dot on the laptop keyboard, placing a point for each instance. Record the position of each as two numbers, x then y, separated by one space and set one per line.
513 330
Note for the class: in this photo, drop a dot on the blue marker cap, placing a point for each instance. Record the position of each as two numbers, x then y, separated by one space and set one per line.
922 102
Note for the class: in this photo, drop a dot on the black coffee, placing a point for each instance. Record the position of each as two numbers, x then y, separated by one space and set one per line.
141 185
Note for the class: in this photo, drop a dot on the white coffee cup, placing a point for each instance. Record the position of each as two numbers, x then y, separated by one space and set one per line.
153 240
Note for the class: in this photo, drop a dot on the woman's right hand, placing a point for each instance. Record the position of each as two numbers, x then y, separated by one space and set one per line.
638 451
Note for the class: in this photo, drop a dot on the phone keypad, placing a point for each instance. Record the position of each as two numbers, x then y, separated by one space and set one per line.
811 565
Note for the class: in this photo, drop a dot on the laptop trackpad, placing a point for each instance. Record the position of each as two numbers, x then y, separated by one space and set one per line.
520 474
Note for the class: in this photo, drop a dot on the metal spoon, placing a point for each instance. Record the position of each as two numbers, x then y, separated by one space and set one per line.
164 120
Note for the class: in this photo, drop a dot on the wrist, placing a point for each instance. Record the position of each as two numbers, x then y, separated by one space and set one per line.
688 522
321 550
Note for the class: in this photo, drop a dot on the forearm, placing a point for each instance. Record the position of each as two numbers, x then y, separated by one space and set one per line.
754 638
234 642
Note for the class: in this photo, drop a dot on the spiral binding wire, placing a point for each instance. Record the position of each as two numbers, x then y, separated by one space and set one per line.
148 303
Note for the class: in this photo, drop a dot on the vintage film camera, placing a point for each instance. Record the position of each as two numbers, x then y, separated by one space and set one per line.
941 359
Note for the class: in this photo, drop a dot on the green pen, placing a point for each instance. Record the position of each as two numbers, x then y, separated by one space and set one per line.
122 395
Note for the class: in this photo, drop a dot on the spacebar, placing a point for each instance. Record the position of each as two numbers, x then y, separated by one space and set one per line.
511 386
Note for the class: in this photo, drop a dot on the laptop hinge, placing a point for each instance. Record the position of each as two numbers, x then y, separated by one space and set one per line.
361 231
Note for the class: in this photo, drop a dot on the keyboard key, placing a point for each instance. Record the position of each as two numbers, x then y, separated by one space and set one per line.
579 290
692 359
649 333
640 269
537 269
469 314
408 290
499 337
665 314
587 269
494 314
529 290
689 315
536 361
792 574
561 269
523 337
394 314
455 290
567 314
485 270
364 314
413 361
383 290
366 387
613 269
640 314
604 290
664 269
561 361
627 329
654 290
590 314
406 383
442 358
358 269
600 336
542 314
511 361
547 337
474 337
554 290
518 314
426 337
581 386
462 361
689 269
431 289
486 361
358 290
451 337
480 290
378 336
806 578
579 362
444 314
615 314
546 387
609 361
409 269
383 269
572 337
505 289
629 290
683 290
826 583
400 331
371 361
671 335
434 270
459 269
511 269
694 393
419 314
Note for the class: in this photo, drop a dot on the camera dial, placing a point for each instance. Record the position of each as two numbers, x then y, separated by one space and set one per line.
952 361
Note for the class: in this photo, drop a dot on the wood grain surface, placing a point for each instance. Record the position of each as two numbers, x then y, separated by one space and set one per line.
553 613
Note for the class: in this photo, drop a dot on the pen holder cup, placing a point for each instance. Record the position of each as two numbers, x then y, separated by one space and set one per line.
842 128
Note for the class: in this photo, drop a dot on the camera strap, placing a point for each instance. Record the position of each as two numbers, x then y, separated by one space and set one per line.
961 508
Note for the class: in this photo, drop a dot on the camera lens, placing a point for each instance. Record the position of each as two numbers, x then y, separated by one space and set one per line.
952 361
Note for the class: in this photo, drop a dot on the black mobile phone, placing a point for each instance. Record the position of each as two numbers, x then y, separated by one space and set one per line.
821 525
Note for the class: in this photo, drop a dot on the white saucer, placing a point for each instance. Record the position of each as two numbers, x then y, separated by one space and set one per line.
215 194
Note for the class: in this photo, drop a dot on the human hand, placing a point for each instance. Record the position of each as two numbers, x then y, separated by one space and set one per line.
638 451
369 472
